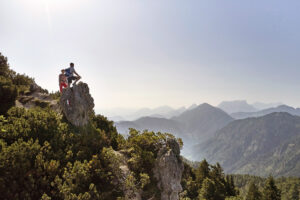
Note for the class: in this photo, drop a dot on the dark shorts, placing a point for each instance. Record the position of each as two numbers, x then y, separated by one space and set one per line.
71 78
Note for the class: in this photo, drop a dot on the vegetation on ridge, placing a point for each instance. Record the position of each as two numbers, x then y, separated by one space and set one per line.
42 156
11 85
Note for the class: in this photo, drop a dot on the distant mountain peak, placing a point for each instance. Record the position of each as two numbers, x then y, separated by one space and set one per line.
236 106
280 108
206 104
285 107
192 106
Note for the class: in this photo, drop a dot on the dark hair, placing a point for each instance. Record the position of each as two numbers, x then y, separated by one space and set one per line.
72 64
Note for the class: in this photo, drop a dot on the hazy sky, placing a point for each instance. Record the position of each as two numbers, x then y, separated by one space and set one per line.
147 53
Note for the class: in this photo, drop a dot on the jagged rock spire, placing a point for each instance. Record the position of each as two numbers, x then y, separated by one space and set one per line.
77 104
168 170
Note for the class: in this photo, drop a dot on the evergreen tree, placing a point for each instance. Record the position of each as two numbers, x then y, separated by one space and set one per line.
8 95
208 189
11 84
202 172
253 192
294 192
230 187
217 175
271 192
4 68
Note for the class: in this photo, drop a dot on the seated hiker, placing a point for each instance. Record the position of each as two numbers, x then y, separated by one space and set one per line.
62 81
70 75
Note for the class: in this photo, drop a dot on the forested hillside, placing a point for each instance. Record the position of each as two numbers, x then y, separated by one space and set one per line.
44 156
258 146
254 186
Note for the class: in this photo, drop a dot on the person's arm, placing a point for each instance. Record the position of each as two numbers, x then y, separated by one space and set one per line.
76 73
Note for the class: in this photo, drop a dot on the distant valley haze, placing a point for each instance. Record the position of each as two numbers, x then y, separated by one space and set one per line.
234 107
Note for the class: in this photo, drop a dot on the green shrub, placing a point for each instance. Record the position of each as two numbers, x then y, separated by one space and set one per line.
11 84
42 104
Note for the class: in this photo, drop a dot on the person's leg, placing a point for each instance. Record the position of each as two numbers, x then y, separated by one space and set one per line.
77 78
64 85
60 87
69 81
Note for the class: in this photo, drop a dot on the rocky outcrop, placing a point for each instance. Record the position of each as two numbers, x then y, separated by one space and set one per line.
77 104
36 96
168 170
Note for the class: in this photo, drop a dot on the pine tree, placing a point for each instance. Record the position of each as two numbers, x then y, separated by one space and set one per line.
253 192
294 192
4 67
230 187
207 191
202 172
217 175
271 192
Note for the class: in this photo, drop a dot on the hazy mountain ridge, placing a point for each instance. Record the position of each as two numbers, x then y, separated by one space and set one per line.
203 121
151 124
194 125
236 106
259 146
263 106
134 114
281 108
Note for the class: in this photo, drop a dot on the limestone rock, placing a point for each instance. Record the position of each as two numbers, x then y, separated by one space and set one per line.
37 96
168 170
77 104
35 87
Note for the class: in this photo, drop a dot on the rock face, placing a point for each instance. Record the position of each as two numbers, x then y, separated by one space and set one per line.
36 96
77 103
168 170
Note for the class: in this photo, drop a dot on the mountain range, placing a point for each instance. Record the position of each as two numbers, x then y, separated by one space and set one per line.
123 114
131 114
200 123
266 141
152 124
281 108
194 125
236 106
259 146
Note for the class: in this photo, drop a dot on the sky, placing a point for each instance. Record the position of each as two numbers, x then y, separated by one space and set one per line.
149 53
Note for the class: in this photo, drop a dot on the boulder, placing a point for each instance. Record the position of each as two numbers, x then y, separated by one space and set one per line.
77 104
168 170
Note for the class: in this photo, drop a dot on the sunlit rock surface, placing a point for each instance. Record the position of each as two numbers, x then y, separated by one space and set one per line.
168 170
77 103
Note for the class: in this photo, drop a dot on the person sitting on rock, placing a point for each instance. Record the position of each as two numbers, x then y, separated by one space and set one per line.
70 74
62 81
